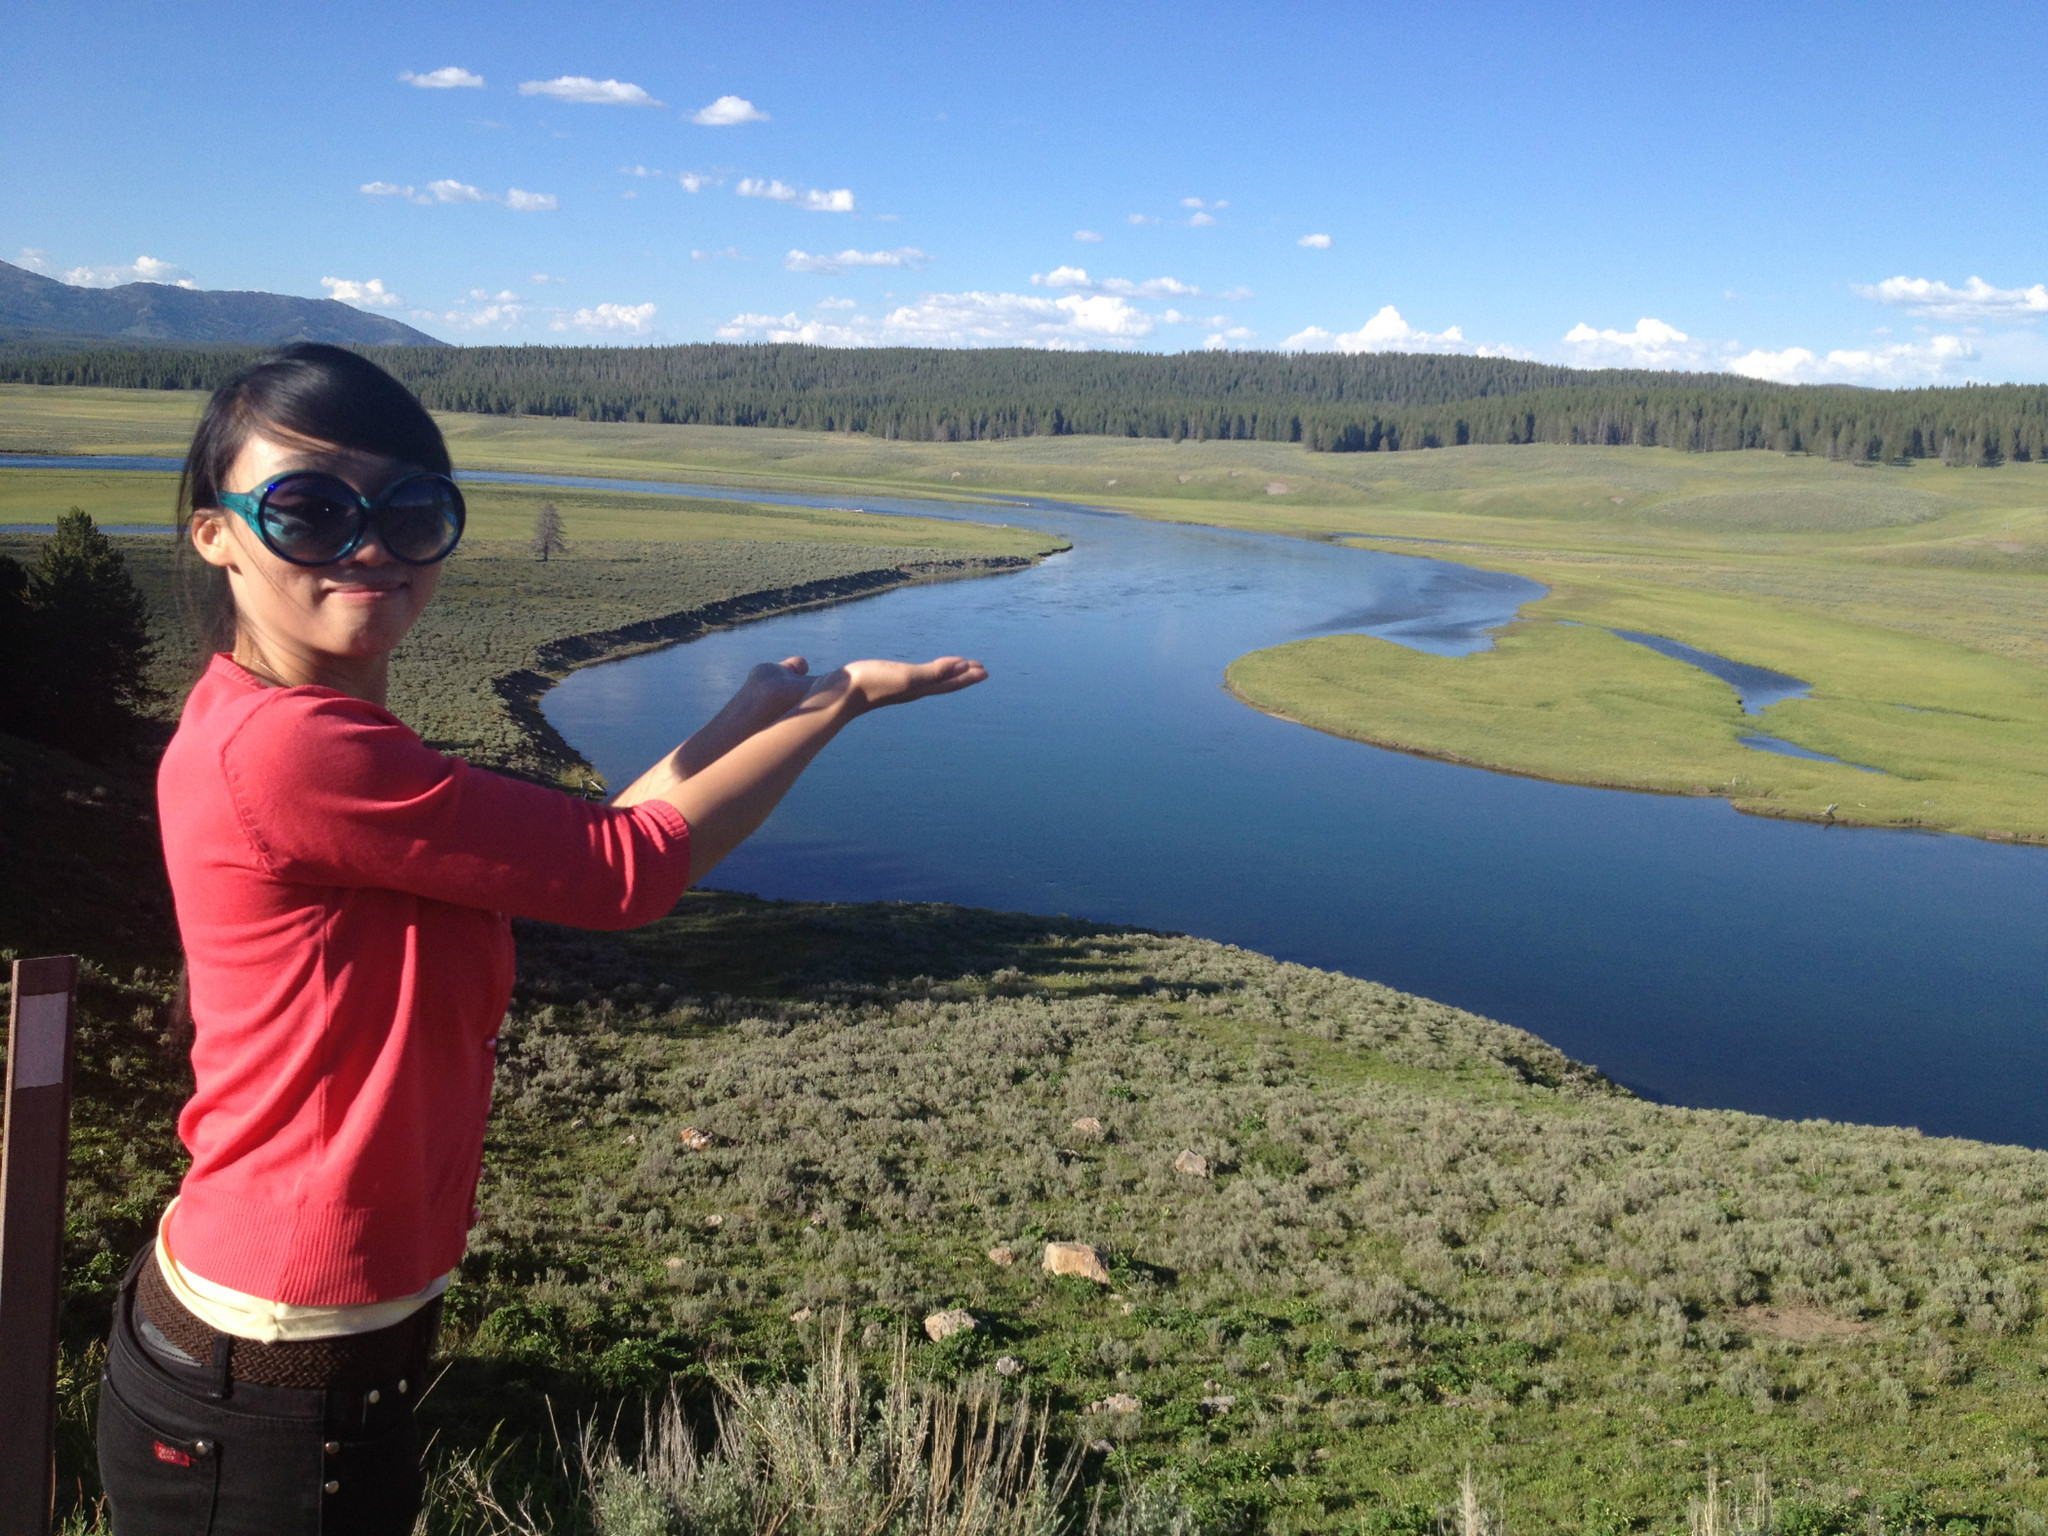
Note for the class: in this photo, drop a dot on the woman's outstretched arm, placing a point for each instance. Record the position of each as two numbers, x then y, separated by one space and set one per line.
725 796
771 690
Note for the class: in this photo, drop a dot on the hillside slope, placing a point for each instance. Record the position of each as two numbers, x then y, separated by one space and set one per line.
160 312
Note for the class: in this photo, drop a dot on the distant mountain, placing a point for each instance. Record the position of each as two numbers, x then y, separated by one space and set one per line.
157 312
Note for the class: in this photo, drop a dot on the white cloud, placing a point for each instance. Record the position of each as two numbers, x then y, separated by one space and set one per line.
597 93
391 189
1316 242
1077 278
1912 362
728 111
143 269
442 79
835 304
697 181
1088 236
839 201
1975 300
730 253
628 318
492 312
1220 341
450 191
1202 220
542 277
1384 332
1196 202
1142 218
1652 344
636 170
1073 321
368 294
531 202
904 256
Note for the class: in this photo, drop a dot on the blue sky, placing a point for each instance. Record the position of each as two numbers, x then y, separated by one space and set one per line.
1800 192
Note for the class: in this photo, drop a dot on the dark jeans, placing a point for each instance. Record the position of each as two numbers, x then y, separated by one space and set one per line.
185 1453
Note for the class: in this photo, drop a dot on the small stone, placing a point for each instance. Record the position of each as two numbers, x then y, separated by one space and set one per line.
1222 1403
1193 1164
1116 1402
1278 488
1009 1365
800 1316
874 1336
675 1261
696 1140
941 1326
1088 1128
714 1221
1101 1447
1075 1259
1002 1256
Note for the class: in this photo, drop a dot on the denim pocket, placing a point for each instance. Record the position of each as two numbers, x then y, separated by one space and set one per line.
157 1479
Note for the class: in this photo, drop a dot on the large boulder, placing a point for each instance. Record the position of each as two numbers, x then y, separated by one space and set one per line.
1076 1259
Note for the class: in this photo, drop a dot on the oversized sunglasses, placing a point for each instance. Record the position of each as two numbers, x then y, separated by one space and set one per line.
309 518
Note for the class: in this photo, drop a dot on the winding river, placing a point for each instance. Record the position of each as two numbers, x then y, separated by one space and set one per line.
1695 954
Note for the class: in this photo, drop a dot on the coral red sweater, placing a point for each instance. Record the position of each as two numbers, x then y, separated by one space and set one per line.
343 892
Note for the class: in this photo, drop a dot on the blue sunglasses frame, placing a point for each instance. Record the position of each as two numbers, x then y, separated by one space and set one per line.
253 506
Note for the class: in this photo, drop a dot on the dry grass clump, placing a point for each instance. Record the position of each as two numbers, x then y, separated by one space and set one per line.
821 1455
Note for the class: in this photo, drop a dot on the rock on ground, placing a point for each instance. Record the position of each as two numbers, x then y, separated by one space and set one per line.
1088 1128
1075 1259
941 1326
1192 1164
1116 1402
1002 1255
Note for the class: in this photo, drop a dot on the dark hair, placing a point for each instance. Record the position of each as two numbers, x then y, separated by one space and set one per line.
309 390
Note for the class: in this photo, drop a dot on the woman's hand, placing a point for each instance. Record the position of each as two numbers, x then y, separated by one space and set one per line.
875 684
774 688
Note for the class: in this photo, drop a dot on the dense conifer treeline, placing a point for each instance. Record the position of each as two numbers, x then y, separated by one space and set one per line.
1330 403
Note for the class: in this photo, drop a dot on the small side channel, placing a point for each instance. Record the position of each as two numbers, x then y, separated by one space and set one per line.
1757 687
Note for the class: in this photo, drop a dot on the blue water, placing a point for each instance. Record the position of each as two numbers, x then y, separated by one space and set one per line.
1700 955
1762 743
1758 687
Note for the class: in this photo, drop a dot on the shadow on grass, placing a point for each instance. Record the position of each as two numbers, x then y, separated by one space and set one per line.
724 942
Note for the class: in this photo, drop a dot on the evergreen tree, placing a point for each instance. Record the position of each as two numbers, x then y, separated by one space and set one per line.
547 532
81 677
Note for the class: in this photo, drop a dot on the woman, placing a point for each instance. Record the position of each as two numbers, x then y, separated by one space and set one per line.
344 896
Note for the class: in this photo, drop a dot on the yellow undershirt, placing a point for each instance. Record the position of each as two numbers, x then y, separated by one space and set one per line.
277 1322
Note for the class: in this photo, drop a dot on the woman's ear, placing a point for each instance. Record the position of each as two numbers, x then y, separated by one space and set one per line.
212 538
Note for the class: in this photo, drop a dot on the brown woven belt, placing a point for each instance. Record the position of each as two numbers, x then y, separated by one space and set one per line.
394 1355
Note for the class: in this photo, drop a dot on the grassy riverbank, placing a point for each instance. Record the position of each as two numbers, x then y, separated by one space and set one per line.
1424 1241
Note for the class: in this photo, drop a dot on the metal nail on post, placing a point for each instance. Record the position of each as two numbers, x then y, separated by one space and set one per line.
34 1152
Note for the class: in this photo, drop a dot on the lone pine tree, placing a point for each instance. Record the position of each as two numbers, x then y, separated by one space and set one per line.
547 532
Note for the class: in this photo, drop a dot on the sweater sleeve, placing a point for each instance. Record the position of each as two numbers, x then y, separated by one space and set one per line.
332 790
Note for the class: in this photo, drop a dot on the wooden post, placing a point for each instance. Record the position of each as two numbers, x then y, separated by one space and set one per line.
34 1152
